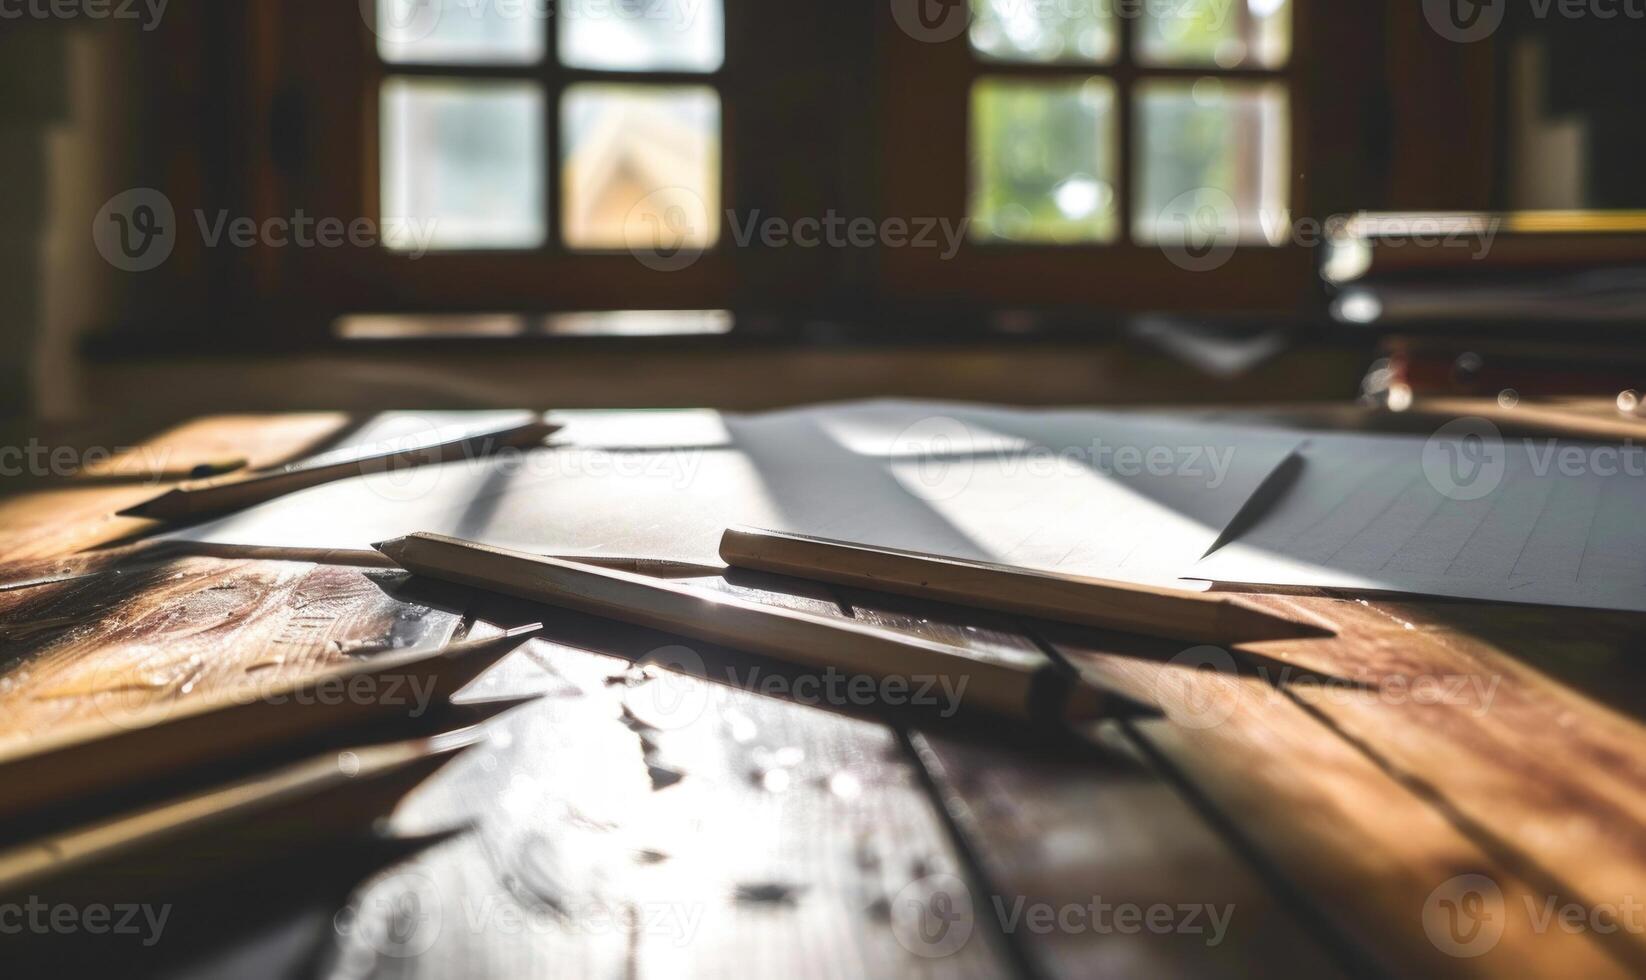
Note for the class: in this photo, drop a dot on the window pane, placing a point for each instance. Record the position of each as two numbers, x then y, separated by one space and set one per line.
1225 33
1033 30
642 35
1043 161
445 31
1212 161
463 162
641 165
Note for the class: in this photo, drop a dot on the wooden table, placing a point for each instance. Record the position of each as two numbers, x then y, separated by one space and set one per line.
1446 788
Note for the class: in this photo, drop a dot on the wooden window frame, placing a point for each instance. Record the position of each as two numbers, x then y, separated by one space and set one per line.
927 173
341 94
822 107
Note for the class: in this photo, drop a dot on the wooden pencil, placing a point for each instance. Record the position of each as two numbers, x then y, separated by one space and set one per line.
208 497
320 796
1020 684
154 742
29 575
1148 610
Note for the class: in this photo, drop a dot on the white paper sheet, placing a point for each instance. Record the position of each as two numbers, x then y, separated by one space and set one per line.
1538 521
1109 494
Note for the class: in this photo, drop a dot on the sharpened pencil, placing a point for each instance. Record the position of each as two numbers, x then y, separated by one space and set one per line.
1151 611
209 497
320 796
166 739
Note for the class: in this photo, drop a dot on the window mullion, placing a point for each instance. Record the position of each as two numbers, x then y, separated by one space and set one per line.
1125 77
553 92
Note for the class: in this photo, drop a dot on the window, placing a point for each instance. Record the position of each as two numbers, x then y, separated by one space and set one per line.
1192 87
1109 147
589 126
1046 154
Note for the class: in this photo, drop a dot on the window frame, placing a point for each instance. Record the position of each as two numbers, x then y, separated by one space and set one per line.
342 177
812 117
553 81
1121 276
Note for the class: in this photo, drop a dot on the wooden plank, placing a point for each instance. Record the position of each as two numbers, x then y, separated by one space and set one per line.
735 833
1089 835
1537 772
389 691
1135 880
1384 864
101 647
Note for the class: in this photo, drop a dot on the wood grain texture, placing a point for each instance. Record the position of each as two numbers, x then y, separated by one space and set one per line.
1107 843
1068 830
1379 858
640 821
1318 801
101 647
1538 773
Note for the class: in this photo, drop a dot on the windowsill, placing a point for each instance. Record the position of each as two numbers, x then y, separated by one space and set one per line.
659 332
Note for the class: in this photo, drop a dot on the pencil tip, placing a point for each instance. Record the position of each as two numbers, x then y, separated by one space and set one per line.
388 547
507 638
484 709
1256 625
146 508
1088 700
1132 709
